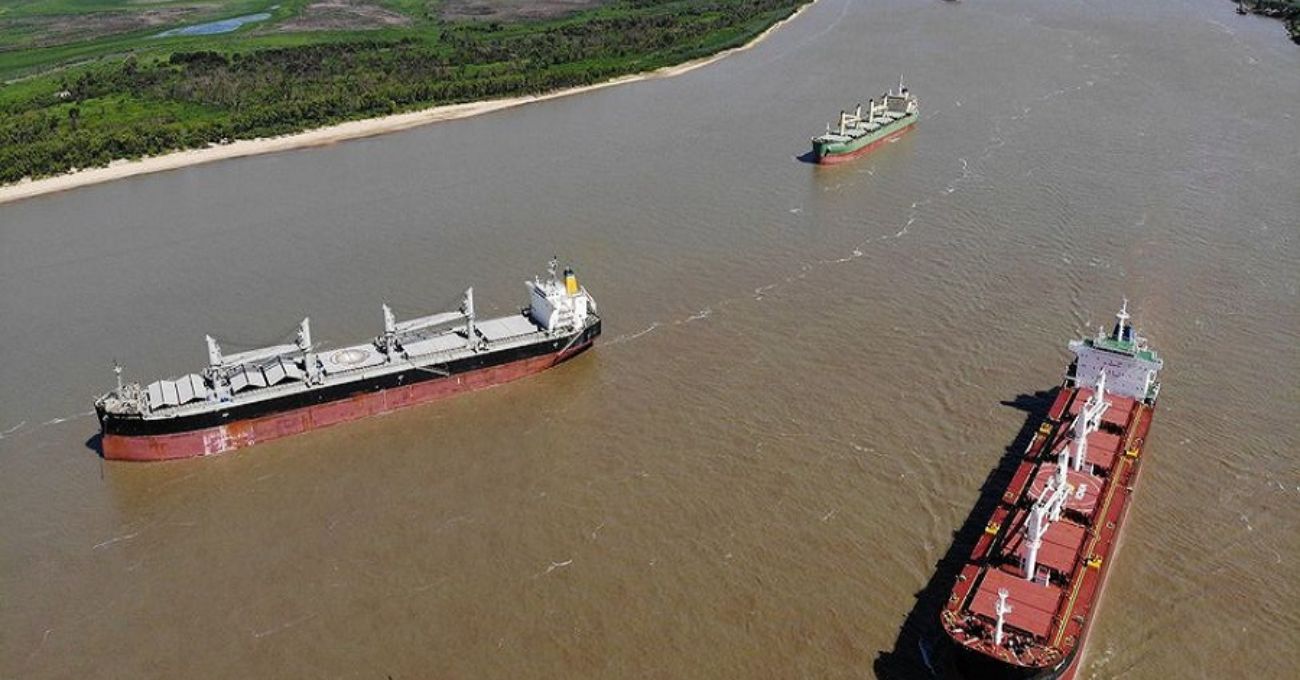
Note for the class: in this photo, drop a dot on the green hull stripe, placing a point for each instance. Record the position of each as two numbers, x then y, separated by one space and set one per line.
821 148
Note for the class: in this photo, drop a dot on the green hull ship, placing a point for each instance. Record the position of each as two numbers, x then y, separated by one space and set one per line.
858 134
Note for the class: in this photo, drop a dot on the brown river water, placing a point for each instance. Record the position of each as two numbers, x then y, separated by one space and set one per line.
807 374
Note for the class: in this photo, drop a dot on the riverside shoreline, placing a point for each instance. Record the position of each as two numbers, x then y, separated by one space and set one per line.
357 129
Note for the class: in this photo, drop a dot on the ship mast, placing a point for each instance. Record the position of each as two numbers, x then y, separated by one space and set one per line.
1002 609
471 337
1035 529
218 360
393 328
308 357
1089 420
214 352
1122 328
390 331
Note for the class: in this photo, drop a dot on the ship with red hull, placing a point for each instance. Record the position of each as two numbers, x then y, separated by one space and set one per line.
1025 599
272 392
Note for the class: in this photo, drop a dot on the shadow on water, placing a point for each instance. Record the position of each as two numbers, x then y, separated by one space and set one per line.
96 444
914 653
807 157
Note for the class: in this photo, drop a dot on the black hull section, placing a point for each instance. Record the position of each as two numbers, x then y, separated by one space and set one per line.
971 665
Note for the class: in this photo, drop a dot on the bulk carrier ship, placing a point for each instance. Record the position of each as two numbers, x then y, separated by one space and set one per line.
1025 599
856 135
263 394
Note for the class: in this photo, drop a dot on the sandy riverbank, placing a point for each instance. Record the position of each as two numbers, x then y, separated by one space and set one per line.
343 131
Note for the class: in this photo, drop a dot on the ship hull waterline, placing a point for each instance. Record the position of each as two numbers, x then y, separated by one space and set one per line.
362 404
836 158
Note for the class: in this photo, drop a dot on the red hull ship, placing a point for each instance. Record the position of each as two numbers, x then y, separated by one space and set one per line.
1026 597
363 404
264 394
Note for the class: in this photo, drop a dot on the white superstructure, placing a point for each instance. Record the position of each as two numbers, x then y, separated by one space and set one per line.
559 303
1130 367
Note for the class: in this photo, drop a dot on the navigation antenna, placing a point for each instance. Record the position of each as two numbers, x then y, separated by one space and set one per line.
553 265
1121 325
117 370
1002 610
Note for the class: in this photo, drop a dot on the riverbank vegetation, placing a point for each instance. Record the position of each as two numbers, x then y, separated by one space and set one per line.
1286 10
82 92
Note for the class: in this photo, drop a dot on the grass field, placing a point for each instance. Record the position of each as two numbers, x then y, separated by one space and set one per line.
38 35
86 82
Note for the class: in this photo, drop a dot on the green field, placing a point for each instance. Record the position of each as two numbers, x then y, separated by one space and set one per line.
39 35
89 81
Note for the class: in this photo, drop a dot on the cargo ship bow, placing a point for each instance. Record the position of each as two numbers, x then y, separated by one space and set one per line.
1026 597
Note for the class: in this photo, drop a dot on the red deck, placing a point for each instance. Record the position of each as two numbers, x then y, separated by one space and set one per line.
1062 400
1087 488
1102 449
1118 414
1052 620
1032 604
1058 552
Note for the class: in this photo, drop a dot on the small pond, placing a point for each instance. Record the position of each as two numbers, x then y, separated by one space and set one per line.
215 27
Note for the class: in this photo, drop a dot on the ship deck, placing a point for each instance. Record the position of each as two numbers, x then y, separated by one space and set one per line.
859 131
425 350
1032 609
1087 488
1058 553
1050 614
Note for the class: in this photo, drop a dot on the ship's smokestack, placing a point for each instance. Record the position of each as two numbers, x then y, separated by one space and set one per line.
570 281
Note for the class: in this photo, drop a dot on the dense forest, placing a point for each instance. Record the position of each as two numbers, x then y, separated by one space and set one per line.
130 107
